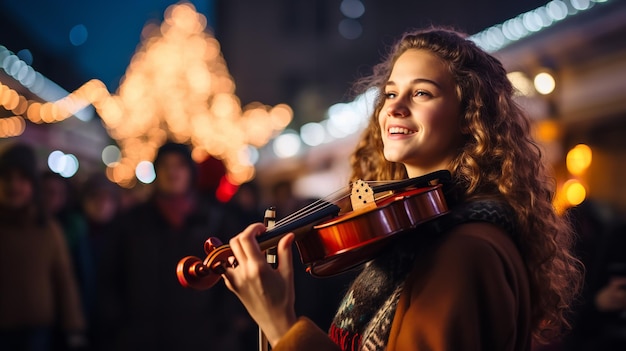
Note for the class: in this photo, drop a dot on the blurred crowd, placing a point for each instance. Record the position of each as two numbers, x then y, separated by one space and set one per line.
90 266
86 266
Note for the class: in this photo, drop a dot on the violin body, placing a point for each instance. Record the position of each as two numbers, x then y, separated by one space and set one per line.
329 242
344 242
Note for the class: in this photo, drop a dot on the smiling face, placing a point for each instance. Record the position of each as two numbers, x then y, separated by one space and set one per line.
420 118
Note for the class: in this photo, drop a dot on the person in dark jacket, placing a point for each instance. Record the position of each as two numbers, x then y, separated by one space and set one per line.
599 321
58 199
38 290
141 305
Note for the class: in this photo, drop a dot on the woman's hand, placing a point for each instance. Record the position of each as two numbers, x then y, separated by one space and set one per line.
268 294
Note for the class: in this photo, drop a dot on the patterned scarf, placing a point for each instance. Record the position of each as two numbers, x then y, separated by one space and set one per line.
363 320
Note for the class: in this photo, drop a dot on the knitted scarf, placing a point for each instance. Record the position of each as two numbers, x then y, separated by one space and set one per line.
363 320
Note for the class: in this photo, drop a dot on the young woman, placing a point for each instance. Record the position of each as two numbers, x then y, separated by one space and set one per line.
499 277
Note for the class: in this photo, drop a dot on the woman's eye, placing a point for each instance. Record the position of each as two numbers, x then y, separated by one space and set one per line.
390 95
421 93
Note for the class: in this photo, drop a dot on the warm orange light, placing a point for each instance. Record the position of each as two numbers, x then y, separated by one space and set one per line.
4 94
281 115
21 107
110 172
12 126
45 113
574 191
176 87
33 112
578 159
199 155
12 100
547 131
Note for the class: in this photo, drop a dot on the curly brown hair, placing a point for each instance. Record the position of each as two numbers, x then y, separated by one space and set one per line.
498 160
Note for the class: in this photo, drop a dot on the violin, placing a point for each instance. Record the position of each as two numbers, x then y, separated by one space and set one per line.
331 240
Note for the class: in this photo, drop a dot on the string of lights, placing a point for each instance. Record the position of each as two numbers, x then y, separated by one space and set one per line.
501 35
177 87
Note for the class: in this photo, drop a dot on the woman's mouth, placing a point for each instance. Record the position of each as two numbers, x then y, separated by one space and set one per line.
400 131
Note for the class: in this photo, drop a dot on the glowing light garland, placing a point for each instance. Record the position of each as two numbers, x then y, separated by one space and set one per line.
499 36
177 87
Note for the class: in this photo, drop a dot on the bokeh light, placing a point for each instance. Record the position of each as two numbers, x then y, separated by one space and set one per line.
312 134
78 35
544 83
64 164
578 159
145 172
498 36
12 126
26 56
521 83
575 192
547 131
350 28
287 144
352 8
110 155
56 161
581 5
71 166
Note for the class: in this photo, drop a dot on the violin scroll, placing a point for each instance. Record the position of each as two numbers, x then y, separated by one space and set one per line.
192 272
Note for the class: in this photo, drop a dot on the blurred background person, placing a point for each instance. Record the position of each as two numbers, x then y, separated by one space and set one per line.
38 291
141 304
599 321
245 205
284 199
100 203
60 201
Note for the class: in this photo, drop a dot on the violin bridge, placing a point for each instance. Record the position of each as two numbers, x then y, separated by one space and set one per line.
362 196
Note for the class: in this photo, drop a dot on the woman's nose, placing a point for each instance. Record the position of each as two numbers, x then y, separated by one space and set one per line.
397 110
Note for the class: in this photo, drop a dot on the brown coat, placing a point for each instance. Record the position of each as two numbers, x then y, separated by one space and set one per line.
472 293
37 283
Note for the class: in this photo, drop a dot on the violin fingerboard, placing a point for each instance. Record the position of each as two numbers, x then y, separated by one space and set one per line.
362 195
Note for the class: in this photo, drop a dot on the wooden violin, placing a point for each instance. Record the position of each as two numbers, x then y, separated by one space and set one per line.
331 241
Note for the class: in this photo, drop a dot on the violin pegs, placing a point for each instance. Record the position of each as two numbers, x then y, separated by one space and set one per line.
195 273
192 273
211 244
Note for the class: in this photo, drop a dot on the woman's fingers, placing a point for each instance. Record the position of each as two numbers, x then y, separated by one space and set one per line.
285 254
241 245
250 245
267 294
246 252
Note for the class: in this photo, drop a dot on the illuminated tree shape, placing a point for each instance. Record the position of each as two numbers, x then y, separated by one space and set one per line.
178 87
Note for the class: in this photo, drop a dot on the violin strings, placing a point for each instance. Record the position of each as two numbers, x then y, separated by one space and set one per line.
318 205
324 203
